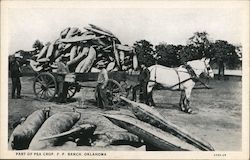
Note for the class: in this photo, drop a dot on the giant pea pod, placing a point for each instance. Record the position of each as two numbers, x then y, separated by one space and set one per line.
56 124
24 132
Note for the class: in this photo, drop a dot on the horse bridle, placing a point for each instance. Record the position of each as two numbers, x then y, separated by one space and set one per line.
207 68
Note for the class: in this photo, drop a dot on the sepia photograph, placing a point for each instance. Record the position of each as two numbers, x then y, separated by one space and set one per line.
125 80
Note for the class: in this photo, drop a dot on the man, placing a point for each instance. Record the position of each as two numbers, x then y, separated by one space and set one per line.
62 70
15 75
143 79
101 93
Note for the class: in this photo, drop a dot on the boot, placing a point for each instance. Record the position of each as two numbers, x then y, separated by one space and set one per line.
59 98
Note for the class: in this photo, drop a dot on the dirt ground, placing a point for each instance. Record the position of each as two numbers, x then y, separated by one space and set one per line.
217 118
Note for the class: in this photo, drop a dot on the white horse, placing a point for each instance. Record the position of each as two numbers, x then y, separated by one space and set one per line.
178 79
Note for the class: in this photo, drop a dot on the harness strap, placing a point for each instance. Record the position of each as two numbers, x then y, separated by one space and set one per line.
190 70
175 84
178 79
181 83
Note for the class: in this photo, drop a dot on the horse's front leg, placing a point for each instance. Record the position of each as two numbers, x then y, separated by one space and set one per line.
187 100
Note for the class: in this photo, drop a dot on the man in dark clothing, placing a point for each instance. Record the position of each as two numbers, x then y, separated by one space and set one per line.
143 79
62 70
15 75
221 68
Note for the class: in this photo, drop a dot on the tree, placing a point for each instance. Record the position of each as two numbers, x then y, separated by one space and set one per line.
201 43
145 52
169 55
188 53
225 54
199 39
38 45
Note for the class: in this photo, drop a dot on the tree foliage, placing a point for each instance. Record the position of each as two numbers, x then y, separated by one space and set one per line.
168 54
224 52
199 39
188 53
198 46
145 52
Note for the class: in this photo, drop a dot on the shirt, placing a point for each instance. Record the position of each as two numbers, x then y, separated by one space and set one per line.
14 67
144 75
102 77
62 68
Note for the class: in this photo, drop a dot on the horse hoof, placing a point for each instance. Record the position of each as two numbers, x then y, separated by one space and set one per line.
182 109
189 110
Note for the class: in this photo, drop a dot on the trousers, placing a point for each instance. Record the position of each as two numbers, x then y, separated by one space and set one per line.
62 88
16 86
143 95
101 96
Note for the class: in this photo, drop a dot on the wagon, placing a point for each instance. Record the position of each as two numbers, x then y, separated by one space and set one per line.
45 84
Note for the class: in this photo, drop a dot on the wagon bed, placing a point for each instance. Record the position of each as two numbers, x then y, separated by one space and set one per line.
45 84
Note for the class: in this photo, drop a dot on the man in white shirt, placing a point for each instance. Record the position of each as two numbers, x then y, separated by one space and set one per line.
62 70
101 92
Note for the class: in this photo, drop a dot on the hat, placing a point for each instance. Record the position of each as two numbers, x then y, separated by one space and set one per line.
18 55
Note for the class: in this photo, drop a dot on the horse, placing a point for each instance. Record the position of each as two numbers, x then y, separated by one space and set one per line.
182 78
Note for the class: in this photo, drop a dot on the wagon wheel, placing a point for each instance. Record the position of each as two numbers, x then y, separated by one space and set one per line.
114 91
45 86
72 89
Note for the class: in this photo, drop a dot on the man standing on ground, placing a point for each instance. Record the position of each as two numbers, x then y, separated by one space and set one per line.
62 70
101 93
143 79
15 75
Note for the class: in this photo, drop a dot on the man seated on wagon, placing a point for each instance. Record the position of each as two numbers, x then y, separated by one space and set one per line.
62 70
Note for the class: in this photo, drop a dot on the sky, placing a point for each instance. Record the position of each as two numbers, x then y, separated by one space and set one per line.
170 25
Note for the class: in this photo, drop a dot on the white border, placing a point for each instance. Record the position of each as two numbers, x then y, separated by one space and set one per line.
244 5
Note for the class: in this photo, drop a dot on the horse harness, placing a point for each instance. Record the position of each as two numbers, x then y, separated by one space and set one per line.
190 71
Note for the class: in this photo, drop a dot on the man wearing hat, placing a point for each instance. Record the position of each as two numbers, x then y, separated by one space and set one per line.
102 81
62 70
15 75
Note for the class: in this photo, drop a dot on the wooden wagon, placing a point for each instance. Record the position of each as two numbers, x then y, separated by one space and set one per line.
45 84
